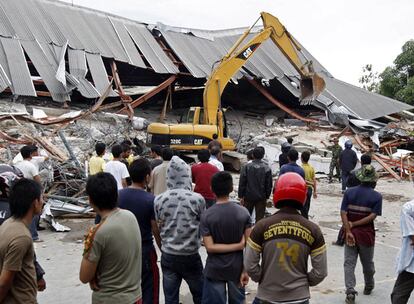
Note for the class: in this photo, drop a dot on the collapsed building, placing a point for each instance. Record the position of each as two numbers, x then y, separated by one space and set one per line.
51 48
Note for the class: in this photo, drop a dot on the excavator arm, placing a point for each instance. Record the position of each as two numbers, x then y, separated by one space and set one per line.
311 84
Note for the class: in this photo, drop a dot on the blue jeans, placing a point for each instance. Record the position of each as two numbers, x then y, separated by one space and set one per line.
33 227
215 292
344 177
306 206
175 268
258 301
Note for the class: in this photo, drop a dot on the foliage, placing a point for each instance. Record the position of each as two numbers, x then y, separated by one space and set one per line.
397 81
369 78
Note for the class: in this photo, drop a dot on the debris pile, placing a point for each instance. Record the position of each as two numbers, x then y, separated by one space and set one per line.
67 139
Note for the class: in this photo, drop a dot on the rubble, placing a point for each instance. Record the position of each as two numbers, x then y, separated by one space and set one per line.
68 138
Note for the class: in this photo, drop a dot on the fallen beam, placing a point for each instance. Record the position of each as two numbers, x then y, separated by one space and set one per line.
279 104
149 94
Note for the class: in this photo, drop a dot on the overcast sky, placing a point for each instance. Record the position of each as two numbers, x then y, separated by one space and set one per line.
343 35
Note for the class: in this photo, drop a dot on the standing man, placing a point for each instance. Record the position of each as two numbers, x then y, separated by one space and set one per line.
215 152
310 180
352 181
405 264
283 243
178 212
97 163
30 171
224 227
283 160
214 142
18 282
141 203
347 161
352 177
201 174
336 150
292 166
360 206
111 261
117 168
158 181
255 184
156 156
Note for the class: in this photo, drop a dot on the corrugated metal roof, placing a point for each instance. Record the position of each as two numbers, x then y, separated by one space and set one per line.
44 26
6 28
4 80
98 72
15 66
151 50
362 103
182 48
55 22
134 57
78 68
41 58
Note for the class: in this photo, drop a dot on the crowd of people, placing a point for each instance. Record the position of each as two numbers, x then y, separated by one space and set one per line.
140 200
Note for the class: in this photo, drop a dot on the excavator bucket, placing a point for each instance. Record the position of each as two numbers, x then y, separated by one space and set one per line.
311 87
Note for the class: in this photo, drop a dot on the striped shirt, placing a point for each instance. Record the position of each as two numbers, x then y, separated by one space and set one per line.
360 202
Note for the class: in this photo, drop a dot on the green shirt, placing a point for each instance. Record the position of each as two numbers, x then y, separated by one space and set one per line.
336 151
116 248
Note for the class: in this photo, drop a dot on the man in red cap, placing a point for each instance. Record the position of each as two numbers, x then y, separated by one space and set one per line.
283 242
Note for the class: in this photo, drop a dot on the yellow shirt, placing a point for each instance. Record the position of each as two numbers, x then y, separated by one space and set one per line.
309 174
96 165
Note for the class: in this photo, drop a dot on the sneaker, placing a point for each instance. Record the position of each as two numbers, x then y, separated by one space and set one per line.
368 290
350 298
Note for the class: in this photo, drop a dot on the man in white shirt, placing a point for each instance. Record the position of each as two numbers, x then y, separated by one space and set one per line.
214 154
30 171
405 263
27 167
118 169
37 159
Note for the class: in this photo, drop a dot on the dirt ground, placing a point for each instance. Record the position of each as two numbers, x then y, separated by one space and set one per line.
60 253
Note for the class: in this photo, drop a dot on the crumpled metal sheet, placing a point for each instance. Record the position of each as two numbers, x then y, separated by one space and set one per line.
58 207
48 217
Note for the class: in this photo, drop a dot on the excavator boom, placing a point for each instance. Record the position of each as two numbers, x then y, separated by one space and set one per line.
311 84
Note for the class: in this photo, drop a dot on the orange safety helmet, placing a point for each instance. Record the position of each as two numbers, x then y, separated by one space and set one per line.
290 186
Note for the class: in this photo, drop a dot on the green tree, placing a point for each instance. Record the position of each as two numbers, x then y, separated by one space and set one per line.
369 79
397 81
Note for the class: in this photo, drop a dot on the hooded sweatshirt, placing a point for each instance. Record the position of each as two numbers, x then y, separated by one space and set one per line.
178 211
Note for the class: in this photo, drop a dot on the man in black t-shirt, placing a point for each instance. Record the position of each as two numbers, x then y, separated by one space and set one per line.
141 203
225 226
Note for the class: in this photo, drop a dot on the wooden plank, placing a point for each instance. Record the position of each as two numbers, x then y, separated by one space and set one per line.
377 158
386 167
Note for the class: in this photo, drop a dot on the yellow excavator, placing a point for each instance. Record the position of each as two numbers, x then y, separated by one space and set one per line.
202 124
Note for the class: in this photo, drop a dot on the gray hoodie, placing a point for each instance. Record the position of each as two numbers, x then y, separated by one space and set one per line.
178 211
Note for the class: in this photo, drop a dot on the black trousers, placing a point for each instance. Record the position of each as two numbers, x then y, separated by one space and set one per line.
402 288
